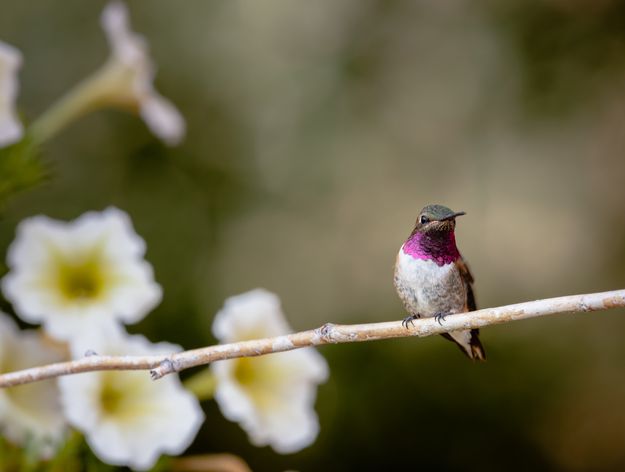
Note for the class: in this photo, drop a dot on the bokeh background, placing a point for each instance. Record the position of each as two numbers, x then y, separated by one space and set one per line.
316 131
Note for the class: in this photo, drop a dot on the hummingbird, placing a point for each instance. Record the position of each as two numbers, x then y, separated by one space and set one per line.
433 280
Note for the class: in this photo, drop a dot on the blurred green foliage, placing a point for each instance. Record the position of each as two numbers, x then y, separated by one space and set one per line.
21 168
316 132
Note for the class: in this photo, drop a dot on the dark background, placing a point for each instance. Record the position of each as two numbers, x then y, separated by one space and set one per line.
316 131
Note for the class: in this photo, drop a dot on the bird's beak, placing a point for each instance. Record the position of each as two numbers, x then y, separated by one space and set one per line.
453 216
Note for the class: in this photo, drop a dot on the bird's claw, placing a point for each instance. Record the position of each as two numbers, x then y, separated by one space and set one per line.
410 320
440 317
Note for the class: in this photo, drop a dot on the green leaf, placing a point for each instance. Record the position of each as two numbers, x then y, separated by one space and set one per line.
21 168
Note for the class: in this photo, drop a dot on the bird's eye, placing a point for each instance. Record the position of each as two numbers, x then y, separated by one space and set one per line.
424 219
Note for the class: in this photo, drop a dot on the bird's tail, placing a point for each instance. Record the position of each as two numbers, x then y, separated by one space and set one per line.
469 343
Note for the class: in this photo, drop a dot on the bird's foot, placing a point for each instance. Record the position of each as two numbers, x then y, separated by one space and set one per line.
440 317
410 320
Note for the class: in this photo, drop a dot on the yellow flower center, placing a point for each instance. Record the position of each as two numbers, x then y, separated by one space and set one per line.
111 399
245 373
260 378
81 277
81 280
124 395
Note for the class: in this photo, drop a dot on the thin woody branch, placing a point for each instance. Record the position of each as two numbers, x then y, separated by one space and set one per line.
329 333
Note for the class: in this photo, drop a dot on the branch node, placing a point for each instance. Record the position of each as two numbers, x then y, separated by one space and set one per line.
326 332
167 366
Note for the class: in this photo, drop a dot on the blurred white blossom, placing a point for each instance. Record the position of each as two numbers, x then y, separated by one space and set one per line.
10 126
78 276
30 415
272 397
127 418
124 81
130 74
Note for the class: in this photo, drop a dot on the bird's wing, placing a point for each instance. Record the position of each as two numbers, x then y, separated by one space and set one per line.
468 340
467 278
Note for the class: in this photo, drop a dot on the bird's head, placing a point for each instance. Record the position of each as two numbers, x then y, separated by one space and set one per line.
436 218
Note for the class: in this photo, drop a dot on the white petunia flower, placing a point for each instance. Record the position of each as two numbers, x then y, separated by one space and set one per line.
78 276
272 397
130 73
127 418
29 414
11 129
124 81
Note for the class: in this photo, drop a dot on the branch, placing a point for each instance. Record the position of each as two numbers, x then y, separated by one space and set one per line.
327 334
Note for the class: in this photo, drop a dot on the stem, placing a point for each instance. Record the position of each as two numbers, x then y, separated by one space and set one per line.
96 91
69 108
327 334
210 462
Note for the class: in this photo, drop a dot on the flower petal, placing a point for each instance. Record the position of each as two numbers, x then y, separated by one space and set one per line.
163 118
250 314
272 397
29 413
131 75
11 129
126 417
129 47
81 275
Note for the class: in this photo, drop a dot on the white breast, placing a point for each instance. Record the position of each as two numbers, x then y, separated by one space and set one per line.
427 288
